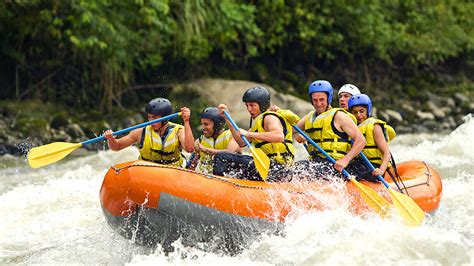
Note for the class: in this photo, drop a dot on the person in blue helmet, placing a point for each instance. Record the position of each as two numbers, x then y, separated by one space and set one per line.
377 135
214 139
161 142
331 129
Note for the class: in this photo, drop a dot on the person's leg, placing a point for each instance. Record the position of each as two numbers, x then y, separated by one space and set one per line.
358 168
235 165
279 172
313 169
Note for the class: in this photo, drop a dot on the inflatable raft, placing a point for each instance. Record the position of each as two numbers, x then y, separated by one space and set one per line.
156 204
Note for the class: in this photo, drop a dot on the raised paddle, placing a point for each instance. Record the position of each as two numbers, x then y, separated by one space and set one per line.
261 160
374 200
53 152
406 206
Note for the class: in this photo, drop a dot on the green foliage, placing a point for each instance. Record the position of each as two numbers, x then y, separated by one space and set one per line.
87 53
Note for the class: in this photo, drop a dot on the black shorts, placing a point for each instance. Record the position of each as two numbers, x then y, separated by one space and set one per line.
243 167
319 168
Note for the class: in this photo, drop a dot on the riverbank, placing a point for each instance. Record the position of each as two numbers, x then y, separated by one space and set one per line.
31 123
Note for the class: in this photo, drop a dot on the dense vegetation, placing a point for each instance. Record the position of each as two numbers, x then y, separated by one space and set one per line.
90 54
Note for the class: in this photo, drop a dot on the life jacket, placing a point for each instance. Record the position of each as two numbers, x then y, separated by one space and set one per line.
289 116
371 151
281 152
320 128
219 143
161 149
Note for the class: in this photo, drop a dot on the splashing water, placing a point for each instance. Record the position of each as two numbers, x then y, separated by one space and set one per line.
53 215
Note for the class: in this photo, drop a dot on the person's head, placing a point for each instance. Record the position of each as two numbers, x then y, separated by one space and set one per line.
211 121
360 106
320 94
157 108
346 92
257 100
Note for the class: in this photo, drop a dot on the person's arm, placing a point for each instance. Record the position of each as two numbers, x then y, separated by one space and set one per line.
383 147
235 133
300 125
186 138
273 128
344 123
122 143
233 146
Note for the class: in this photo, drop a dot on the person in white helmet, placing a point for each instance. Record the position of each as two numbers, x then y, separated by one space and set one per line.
345 93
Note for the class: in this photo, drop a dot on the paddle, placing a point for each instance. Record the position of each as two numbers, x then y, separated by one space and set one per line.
406 206
261 160
53 152
374 200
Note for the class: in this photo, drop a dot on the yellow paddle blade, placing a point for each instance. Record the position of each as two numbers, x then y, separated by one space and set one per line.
262 162
407 207
50 153
374 200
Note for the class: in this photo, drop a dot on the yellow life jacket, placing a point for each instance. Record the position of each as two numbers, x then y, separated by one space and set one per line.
321 129
161 149
371 151
219 143
289 116
282 152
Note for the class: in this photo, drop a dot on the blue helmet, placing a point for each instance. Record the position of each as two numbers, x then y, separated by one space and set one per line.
159 106
213 114
321 86
361 99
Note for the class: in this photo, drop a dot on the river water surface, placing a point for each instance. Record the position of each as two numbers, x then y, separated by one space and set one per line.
53 215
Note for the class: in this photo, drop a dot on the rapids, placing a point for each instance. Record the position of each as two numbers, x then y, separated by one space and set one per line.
52 215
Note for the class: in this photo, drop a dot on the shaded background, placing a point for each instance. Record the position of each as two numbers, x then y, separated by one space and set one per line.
96 63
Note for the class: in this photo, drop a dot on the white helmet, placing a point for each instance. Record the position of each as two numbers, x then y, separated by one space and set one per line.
349 88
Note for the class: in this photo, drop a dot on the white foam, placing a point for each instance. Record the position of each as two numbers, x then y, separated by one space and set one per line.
52 215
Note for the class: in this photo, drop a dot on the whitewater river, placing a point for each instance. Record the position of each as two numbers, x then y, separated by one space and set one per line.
53 215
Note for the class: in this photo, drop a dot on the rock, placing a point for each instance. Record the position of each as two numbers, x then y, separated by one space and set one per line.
230 92
452 123
394 114
425 115
374 111
436 99
404 129
59 121
60 135
445 125
471 108
447 109
450 102
75 131
384 116
431 124
133 120
408 107
421 129
438 112
3 125
461 98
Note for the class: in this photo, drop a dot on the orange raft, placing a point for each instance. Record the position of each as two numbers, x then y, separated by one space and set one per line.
153 203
